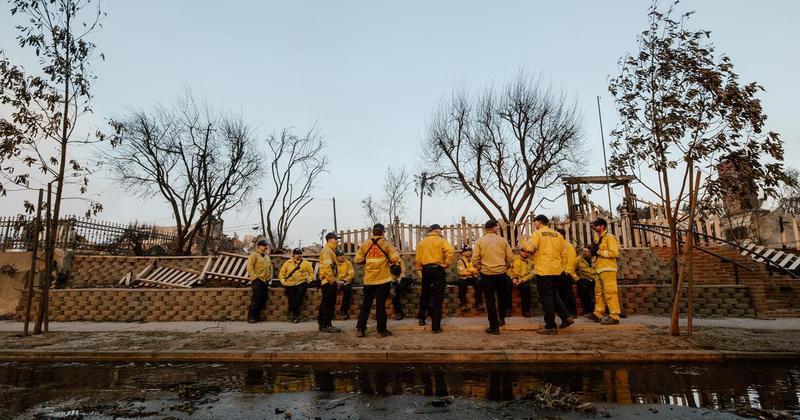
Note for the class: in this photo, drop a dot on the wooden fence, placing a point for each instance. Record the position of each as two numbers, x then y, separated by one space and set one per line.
646 233
86 235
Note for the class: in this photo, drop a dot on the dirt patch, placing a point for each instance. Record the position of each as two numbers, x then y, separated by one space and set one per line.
644 339
12 280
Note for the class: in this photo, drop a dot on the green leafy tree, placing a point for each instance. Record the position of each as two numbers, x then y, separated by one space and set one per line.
45 107
682 107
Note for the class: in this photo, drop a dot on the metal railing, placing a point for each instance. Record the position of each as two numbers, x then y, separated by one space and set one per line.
91 236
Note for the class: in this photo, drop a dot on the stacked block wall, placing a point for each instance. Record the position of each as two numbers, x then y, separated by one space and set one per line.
230 304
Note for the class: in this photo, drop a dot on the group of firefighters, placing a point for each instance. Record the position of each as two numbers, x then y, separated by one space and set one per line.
545 259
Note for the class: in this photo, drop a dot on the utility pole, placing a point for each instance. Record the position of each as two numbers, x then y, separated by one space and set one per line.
605 160
335 227
263 229
422 194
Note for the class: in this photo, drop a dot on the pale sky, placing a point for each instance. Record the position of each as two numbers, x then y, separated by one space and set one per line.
369 75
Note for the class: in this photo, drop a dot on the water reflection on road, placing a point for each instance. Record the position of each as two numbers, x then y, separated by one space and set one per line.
717 386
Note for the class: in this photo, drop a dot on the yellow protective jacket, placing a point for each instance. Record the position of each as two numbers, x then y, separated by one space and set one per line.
303 274
572 257
465 269
433 249
376 269
584 270
259 267
346 272
492 254
549 252
327 265
607 253
522 269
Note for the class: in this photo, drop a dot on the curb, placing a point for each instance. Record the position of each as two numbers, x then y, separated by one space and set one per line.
389 357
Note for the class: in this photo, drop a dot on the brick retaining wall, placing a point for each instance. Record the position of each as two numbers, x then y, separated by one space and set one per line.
220 304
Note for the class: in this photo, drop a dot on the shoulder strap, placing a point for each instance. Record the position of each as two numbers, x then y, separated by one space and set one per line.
375 243
297 267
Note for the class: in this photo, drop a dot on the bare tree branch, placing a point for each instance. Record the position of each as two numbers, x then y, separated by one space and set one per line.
502 149
202 162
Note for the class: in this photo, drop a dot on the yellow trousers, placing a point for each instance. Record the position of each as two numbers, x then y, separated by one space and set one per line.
605 294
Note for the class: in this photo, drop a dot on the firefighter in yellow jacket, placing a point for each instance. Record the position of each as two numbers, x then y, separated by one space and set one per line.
492 257
521 273
568 277
605 251
294 276
328 274
587 277
434 256
259 271
468 276
346 273
381 259
549 256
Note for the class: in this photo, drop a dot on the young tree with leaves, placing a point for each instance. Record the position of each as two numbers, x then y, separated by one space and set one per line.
682 108
39 133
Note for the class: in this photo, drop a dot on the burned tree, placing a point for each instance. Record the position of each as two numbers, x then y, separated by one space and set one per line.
392 206
504 149
202 162
295 162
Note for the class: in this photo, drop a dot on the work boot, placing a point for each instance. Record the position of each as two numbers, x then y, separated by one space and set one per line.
360 334
330 329
344 315
480 308
399 316
439 331
502 322
384 334
295 320
422 322
492 331
592 317
567 322
527 314
609 321
251 320
547 331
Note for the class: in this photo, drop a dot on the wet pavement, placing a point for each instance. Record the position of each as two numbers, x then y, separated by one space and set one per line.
145 390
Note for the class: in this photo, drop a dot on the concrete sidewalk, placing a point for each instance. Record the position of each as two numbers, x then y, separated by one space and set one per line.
472 323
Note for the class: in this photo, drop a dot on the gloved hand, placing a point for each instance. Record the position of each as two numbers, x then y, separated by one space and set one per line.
595 248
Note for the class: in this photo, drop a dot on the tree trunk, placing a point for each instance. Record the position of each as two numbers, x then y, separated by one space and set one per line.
673 242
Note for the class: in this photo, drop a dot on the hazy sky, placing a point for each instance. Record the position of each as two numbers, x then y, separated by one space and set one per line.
370 73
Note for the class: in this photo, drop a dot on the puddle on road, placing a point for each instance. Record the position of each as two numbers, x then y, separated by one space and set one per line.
774 386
